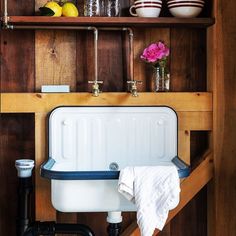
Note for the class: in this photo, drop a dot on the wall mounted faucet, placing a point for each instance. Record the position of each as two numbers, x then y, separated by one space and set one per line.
95 87
132 87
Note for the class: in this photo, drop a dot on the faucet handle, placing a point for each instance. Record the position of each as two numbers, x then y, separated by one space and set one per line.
134 82
95 82
133 87
95 87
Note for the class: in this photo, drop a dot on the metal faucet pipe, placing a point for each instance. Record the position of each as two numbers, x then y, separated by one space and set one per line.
5 16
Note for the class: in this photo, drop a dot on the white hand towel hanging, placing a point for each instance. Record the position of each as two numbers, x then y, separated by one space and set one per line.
155 190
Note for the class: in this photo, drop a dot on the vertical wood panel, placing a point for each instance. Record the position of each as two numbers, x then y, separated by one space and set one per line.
55 58
17 61
191 221
184 145
25 8
110 61
188 59
84 60
225 136
16 141
43 206
16 131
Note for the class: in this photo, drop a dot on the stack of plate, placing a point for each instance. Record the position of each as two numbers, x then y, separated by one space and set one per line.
185 8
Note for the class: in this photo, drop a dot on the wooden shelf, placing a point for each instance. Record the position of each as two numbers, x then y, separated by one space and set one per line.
44 102
110 21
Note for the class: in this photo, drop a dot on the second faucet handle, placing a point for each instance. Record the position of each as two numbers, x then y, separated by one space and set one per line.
133 87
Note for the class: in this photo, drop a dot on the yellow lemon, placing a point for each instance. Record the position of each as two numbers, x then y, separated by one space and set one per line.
54 7
69 9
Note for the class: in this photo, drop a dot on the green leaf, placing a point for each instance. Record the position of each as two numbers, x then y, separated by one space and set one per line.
45 11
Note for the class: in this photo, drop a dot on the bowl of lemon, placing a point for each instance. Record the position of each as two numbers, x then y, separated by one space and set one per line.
57 9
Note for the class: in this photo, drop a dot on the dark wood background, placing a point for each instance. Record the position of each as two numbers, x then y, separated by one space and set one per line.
19 68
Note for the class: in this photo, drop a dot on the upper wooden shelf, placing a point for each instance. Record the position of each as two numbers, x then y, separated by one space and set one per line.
110 21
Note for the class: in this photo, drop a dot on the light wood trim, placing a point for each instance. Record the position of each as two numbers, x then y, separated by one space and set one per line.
43 207
41 102
189 188
216 63
184 145
195 121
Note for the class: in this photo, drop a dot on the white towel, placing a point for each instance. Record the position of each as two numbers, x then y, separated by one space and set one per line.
155 190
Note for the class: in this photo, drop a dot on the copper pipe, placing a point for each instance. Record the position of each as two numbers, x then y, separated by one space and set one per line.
5 16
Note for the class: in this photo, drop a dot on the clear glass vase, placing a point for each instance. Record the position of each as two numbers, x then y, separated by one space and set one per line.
160 79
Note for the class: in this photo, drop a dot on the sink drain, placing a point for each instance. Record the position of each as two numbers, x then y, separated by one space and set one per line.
114 166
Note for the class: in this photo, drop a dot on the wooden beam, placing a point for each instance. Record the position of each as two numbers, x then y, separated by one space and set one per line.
43 206
189 188
42 102
184 145
194 121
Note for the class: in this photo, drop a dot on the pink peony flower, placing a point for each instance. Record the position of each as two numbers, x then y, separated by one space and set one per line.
155 52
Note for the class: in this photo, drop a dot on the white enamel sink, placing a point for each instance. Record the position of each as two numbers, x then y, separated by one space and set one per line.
89 145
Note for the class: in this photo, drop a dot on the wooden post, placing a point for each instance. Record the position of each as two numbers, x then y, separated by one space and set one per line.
43 207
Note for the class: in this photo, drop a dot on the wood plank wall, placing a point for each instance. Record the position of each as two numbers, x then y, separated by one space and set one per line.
30 59
224 85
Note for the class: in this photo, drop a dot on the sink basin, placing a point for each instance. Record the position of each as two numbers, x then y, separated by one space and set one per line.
89 145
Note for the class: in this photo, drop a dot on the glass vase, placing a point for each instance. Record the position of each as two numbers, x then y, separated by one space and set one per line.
160 79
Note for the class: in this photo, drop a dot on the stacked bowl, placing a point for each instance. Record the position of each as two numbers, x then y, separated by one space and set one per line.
185 8
146 8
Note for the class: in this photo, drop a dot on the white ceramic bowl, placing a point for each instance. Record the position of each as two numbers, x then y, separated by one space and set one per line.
185 11
185 4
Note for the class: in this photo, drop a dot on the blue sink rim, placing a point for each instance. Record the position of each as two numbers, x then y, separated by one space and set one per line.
47 172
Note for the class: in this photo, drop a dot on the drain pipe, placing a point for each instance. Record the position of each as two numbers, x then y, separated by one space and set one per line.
25 226
114 219
24 172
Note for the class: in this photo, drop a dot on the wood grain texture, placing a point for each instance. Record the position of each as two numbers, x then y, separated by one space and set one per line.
43 102
26 8
43 207
84 60
110 61
184 145
225 164
188 59
17 61
16 130
16 142
55 62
